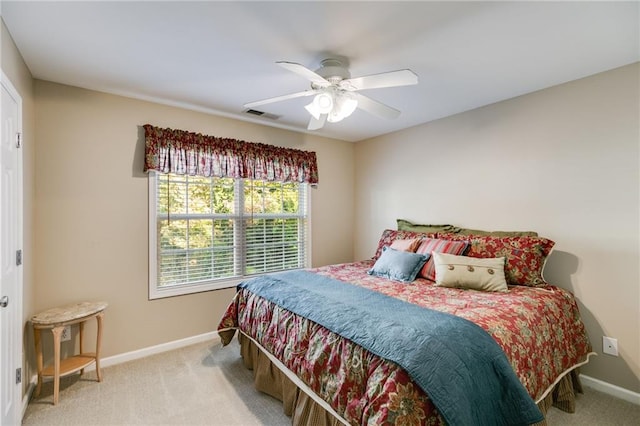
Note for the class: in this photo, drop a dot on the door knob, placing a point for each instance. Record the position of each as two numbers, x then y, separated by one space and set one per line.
4 301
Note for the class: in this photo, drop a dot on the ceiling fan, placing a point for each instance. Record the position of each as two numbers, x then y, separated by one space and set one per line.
336 93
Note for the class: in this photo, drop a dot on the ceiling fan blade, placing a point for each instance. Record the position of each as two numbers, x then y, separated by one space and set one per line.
280 98
377 81
305 72
315 124
375 107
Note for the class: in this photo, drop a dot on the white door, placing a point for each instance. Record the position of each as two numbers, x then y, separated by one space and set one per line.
10 256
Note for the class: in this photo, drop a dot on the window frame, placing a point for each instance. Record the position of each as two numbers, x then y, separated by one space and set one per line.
155 292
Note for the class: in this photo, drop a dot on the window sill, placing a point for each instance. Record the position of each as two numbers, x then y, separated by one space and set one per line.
181 290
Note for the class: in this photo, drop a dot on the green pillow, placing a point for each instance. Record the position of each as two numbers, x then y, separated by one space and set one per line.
405 225
466 231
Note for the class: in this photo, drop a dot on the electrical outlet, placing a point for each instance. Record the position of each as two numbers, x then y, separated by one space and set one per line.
66 334
610 345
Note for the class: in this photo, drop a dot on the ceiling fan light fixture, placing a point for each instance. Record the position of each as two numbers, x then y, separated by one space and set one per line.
334 117
344 106
348 104
322 104
313 110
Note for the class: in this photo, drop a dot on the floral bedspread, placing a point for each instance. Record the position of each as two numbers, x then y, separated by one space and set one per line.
539 329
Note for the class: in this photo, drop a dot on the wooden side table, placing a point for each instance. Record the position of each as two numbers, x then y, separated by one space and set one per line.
56 320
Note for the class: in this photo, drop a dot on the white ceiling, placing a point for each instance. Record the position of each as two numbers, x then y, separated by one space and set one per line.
216 56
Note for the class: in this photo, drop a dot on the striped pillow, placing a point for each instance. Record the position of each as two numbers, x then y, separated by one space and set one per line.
430 245
390 235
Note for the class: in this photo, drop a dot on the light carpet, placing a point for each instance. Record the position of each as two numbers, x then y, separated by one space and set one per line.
205 384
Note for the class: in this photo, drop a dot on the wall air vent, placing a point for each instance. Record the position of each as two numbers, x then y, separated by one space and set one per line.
262 114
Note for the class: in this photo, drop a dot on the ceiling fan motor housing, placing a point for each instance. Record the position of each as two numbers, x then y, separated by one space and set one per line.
333 71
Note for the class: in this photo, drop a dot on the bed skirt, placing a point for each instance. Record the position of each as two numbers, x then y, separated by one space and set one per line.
305 411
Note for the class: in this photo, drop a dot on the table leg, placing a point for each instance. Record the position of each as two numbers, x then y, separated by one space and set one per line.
98 342
57 333
81 326
39 360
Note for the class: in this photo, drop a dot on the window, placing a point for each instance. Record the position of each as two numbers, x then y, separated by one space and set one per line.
208 233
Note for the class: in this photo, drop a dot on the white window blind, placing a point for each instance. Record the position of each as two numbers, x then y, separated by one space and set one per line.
212 232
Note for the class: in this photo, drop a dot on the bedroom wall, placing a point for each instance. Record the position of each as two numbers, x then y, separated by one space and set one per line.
91 219
15 69
562 161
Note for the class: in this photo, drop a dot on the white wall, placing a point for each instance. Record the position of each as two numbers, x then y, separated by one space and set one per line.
91 219
562 161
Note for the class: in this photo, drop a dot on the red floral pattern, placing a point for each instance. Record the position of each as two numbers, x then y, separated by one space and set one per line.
181 152
539 329
525 256
390 235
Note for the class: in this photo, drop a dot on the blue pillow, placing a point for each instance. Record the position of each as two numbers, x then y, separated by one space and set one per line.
398 265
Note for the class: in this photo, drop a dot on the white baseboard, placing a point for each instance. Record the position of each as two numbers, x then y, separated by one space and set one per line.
610 389
152 350
27 395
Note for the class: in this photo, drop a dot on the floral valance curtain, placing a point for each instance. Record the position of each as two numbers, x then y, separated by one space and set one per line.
181 152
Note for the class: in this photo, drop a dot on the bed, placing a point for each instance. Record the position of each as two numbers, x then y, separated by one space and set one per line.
331 366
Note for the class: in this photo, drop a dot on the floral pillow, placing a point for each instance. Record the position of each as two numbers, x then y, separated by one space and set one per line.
390 235
525 256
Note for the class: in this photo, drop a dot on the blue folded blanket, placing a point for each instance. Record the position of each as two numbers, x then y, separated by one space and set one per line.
457 363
